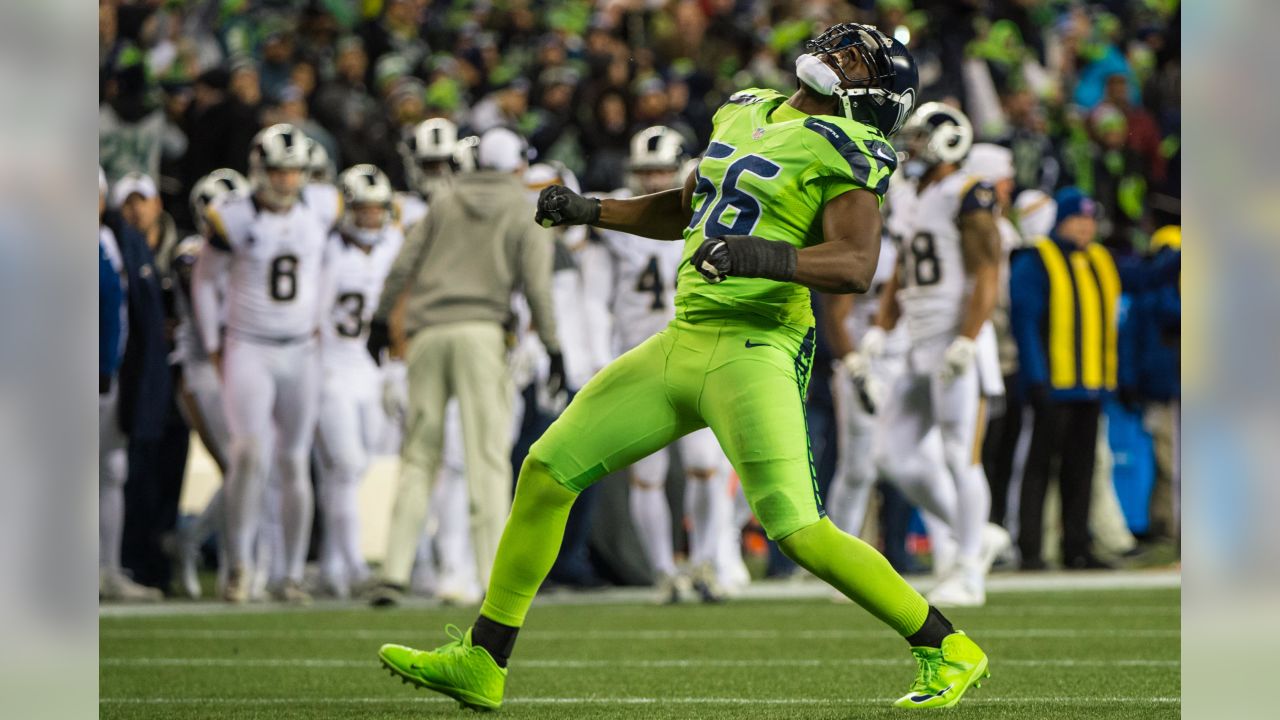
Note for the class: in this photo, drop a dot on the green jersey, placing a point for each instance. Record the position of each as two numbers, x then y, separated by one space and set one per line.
768 171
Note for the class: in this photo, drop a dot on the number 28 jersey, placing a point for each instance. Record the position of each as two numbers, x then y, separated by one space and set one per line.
768 171
934 287
274 292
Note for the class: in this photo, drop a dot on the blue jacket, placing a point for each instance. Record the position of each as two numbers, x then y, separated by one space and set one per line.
1029 311
146 386
1151 337
110 295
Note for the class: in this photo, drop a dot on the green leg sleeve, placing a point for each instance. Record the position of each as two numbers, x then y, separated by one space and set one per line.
529 545
860 572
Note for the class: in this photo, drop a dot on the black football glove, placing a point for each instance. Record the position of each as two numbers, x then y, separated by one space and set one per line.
744 256
558 205
555 374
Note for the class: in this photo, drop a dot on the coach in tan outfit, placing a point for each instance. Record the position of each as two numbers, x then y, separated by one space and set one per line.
457 271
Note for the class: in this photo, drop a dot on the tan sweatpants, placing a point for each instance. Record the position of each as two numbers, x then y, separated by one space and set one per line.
466 360
1162 422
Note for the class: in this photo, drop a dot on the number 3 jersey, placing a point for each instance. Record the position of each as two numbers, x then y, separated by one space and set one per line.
933 285
274 292
356 278
768 171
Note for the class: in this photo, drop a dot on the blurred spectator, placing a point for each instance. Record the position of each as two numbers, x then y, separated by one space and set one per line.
156 464
345 106
606 143
133 131
1143 134
396 31
1150 377
144 388
292 108
219 126
1036 161
1106 168
554 136
276 66
505 106
1067 361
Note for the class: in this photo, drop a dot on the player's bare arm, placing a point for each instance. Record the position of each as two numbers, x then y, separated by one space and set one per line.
660 216
980 248
846 262
835 308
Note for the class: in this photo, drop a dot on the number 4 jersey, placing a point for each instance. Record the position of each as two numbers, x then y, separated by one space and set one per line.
644 273
277 263
934 287
768 171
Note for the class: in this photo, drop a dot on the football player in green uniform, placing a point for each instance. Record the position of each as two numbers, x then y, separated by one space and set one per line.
785 199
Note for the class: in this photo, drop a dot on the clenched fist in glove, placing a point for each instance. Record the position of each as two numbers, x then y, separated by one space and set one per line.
744 256
558 205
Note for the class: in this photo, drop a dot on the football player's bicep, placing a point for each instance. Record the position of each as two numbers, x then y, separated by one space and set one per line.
853 217
979 240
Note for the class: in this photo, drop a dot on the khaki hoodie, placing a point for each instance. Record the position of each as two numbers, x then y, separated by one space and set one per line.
477 245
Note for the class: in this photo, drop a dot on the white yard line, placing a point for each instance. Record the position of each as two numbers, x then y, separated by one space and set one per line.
809 589
371 662
597 700
388 634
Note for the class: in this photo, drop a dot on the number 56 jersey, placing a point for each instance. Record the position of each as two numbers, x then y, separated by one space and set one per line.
769 171
277 267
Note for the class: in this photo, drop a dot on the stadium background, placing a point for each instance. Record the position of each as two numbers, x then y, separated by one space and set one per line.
579 78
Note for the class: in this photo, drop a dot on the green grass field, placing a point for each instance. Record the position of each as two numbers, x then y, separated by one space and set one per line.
1076 654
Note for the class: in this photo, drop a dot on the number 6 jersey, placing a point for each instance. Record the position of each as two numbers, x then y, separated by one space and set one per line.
274 292
768 171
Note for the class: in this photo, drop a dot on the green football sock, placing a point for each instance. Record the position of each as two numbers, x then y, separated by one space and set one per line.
529 545
860 572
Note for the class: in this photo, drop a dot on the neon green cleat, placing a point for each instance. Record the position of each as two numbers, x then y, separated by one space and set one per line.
459 669
945 673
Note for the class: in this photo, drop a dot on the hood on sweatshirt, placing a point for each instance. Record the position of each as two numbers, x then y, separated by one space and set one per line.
486 193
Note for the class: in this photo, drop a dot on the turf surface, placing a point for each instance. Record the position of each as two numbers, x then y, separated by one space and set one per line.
1079 654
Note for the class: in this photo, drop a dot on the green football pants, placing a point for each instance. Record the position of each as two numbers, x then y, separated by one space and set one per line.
746 382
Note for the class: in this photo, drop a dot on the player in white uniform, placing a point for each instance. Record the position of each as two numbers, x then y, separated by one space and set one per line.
320 167
643 303
432 154
200 394
847 319
351 412
944 291
271 248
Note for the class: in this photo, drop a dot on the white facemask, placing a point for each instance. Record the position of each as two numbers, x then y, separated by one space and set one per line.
817 74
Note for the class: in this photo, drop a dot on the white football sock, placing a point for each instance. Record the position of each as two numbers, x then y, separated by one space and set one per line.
652 519
296 512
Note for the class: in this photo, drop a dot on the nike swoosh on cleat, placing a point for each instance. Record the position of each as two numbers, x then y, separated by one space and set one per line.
751 344
924 698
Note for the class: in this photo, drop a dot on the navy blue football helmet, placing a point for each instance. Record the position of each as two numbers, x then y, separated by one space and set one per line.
888 93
